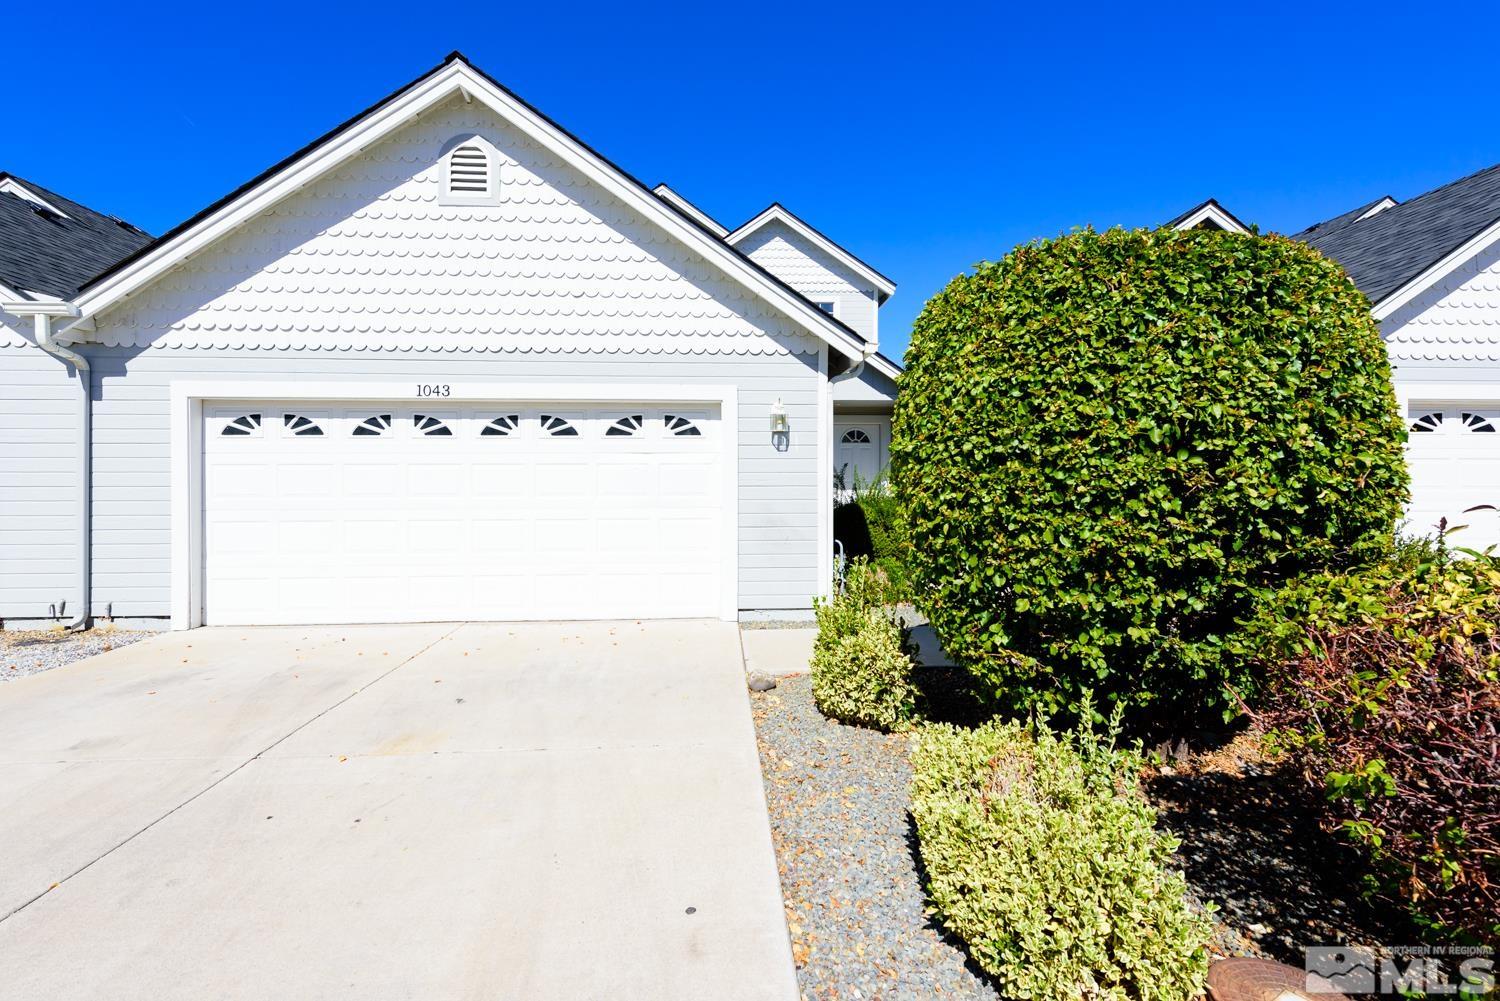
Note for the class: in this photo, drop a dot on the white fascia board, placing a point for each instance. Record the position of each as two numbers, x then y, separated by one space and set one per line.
1424 281
1211 213
777 213
8 294
449 80
703 218
884 366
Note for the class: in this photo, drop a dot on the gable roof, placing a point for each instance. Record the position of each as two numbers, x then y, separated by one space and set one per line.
1210 213
1402 249
51 244
776 212
455 75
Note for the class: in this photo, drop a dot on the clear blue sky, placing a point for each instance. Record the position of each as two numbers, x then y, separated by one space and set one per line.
924 137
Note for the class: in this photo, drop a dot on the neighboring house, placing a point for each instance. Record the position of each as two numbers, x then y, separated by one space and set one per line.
446 362
49 246
1431 268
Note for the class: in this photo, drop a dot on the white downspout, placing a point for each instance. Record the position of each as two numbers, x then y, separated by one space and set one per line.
43 320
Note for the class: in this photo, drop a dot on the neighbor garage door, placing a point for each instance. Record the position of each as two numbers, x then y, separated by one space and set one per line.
1454 453
383 513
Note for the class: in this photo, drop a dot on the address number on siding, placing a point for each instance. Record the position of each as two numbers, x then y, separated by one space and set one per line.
440 389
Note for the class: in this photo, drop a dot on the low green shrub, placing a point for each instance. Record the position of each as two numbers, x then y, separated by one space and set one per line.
1383 685
1042 854
865 677
861 669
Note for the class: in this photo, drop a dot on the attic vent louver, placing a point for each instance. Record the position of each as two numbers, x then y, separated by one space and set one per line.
468 171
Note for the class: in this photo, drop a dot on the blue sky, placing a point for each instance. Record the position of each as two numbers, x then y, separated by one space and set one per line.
924 137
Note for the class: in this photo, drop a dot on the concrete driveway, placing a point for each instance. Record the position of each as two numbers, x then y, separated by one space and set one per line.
529 812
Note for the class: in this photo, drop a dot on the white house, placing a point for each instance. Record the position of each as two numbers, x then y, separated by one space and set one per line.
446 362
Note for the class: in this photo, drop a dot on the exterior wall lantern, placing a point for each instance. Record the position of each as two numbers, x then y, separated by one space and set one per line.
778 418
781 438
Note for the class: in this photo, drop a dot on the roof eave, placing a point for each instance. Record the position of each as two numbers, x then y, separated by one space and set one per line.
1388 304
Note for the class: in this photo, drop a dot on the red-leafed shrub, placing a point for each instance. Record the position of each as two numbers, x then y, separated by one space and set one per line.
1385 687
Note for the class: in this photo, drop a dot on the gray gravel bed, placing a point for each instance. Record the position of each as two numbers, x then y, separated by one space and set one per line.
854 899
27 652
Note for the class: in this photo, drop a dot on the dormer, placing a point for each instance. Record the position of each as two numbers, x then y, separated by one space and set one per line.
839 283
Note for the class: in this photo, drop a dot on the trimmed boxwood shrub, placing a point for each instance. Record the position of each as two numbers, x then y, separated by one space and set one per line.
1106 443
861 669
1384 686
1042 854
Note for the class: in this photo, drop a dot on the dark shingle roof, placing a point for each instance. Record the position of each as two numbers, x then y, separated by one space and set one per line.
1386 251
1340 221
42 252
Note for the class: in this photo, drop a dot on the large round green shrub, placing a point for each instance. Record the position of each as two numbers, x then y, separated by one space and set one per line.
1106 443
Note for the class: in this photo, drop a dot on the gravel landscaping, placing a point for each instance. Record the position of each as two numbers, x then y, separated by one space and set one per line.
853 889
844 845
26 652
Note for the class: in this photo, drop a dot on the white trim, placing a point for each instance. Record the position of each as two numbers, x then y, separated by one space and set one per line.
824 491
776 213
1437 272
11 186
884 366
186 408
707 221
1409 393
1210 212
424 94
1385 203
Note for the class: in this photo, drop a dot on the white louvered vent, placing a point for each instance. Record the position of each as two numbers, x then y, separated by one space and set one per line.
468 171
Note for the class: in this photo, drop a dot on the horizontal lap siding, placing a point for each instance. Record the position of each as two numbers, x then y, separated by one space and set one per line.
778 493
38 483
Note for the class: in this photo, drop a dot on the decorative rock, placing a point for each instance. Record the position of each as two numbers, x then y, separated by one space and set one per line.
762 682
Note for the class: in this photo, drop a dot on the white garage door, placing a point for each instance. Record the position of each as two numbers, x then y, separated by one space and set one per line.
384 513
1454 453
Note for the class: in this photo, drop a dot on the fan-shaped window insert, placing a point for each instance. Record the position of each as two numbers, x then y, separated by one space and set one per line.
1428 422
245 424
372 426
680 426
557 427
300 426
626 427
1475 423
430 425
502 427
854 436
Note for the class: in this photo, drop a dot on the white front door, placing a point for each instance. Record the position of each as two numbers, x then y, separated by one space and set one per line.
856 454
381 512
1453 451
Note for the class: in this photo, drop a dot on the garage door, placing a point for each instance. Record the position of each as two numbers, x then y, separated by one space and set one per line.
1454 453
383 513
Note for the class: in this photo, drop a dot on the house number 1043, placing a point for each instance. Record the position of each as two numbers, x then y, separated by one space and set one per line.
440 389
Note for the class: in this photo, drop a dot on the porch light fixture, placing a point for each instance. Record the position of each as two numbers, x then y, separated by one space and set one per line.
778 418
